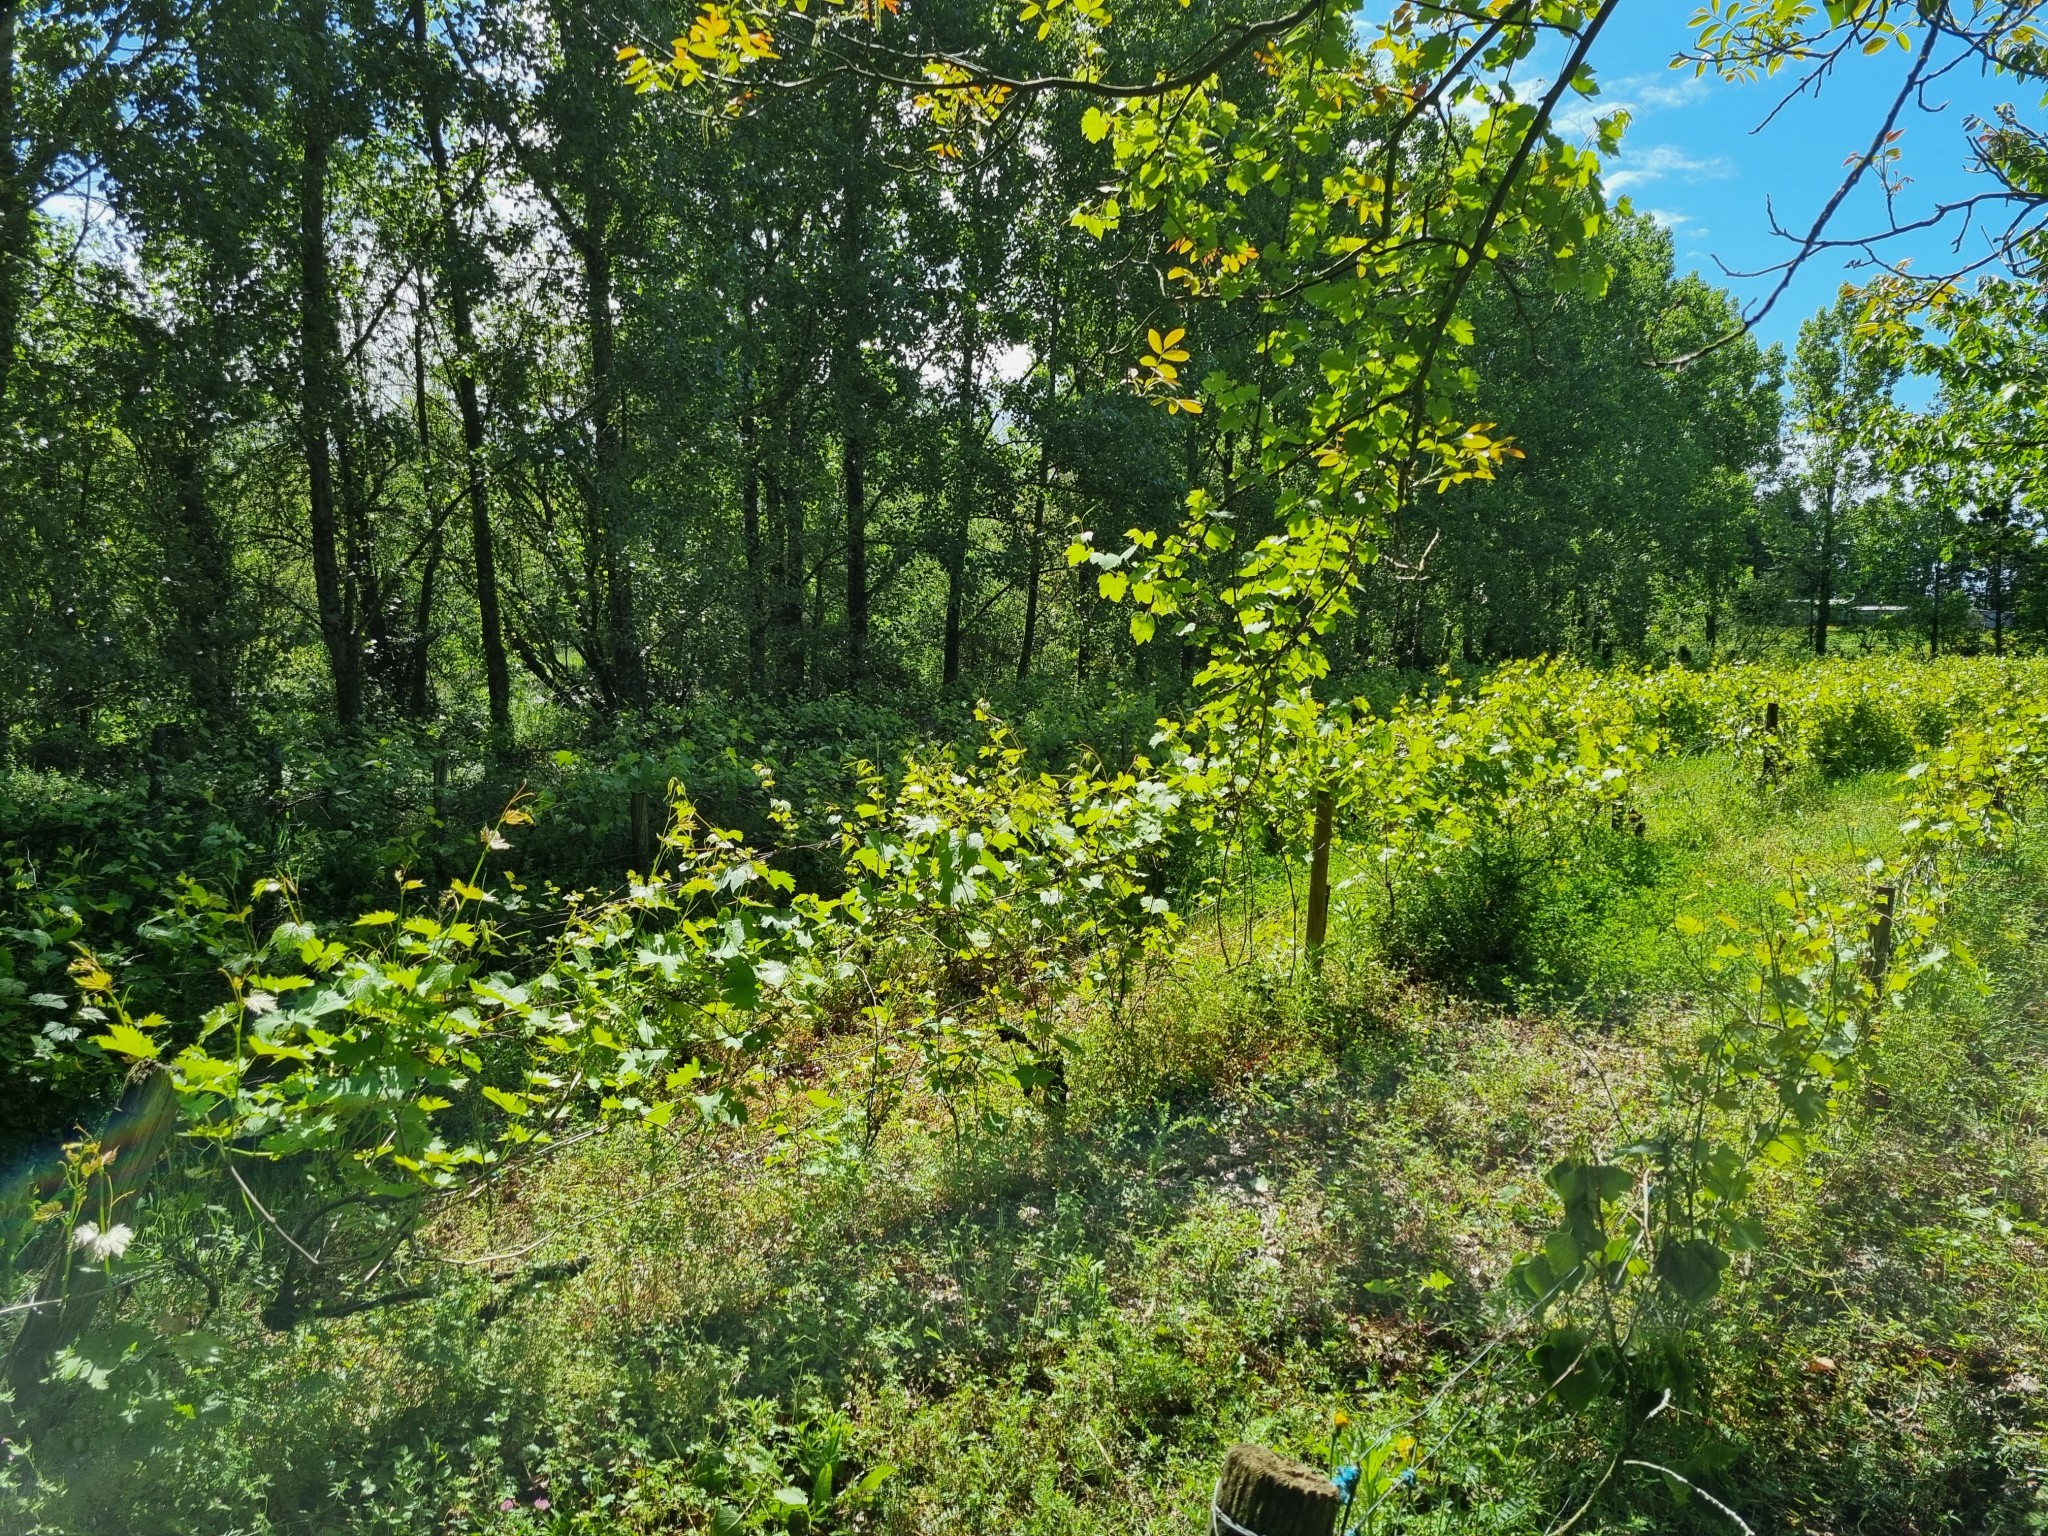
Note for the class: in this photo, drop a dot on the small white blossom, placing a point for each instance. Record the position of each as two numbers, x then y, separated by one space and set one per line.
493 840
100 1246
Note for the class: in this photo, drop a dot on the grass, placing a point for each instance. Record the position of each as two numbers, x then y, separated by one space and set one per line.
1270 1196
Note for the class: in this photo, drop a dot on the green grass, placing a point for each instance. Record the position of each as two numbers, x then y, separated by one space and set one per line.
1271 1195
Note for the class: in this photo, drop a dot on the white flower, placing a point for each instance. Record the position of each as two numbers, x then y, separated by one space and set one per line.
100 1246
492 840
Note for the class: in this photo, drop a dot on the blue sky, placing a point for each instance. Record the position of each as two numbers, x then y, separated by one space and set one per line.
1696 158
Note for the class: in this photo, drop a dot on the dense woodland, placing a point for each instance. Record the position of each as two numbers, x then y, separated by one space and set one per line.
829 766
380 365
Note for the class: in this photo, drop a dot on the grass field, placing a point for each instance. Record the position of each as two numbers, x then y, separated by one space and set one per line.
1271 1197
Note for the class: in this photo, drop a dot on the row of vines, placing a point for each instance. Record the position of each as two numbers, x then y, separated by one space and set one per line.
348 1076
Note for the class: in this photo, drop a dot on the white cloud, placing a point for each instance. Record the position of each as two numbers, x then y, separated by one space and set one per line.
1637 168
1663 91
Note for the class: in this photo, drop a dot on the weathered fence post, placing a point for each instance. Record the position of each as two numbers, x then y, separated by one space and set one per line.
1262 1493
640 829
70 1289
1319 874
1771 742
159 750
1880 960
440 817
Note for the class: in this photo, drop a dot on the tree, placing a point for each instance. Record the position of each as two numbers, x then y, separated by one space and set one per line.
1840 387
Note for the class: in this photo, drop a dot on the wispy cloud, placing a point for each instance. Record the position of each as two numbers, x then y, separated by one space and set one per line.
1662 162
1663 91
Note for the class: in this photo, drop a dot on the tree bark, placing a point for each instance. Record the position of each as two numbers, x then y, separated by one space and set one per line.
1040 490
850 382
320 381
14 200
966 457
608 467
591 137
455 288
855 468
202 587
786 515
419 644
750 540
1824 592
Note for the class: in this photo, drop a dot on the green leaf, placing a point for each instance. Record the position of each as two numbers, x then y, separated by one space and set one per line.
1094 125
511 1103
127 1040
1690 1269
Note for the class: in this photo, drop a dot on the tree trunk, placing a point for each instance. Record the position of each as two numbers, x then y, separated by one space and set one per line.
1934 613
1041 486
750 539
849 379
1996 576
14 201
607 512
1824 593
856 489
455 286
787 522
1029 645
201 587
419 644
965 442
320 370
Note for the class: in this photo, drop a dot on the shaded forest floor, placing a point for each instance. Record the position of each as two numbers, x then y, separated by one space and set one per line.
1269 1197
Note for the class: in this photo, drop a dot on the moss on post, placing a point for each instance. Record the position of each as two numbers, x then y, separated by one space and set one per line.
1268 1495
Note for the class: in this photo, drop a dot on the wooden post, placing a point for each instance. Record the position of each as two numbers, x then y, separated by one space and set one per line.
1880 960
640 829
1771 745
440 816
1319 873
1262 1493
159 749
70 1290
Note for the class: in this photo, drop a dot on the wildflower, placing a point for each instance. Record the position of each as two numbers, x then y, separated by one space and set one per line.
506 1506
1346 1479
1341 1419
543 1503
492 840
100 1246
